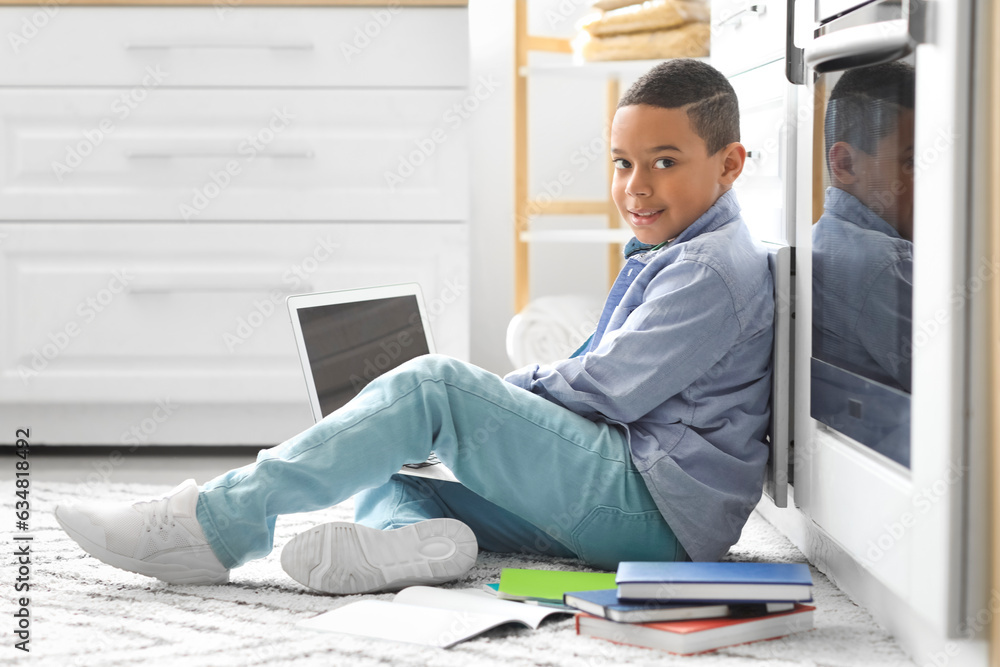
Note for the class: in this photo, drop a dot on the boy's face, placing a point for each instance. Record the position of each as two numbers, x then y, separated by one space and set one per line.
664 178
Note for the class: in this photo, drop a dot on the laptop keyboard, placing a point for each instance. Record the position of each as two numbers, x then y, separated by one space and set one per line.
432 460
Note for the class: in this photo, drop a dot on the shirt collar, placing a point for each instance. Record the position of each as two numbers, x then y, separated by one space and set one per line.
723 210
846 206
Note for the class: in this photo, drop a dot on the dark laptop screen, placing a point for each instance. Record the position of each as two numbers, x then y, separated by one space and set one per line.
350 344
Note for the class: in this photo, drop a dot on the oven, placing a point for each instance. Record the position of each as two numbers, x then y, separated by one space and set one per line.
883 274
862 242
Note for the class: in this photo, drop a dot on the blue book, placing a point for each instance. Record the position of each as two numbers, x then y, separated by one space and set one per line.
714 582
605 603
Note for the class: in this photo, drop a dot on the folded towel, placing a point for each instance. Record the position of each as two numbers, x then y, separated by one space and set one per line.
688 41
551 328
608 5
646 17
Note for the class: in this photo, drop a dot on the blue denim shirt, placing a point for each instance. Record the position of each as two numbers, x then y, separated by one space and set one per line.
862 292
683 366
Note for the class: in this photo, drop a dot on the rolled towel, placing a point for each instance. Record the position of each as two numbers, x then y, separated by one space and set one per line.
647 17
551 328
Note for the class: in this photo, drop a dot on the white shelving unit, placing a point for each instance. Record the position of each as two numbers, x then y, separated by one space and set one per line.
525 207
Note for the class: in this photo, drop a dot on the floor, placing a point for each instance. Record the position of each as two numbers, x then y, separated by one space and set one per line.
232 624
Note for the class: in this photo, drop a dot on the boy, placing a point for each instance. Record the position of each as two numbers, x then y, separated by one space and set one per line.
646 444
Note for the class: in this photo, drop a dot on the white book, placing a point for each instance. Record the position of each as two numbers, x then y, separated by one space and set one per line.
429 616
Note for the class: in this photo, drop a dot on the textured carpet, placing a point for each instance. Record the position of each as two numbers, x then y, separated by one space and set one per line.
87 613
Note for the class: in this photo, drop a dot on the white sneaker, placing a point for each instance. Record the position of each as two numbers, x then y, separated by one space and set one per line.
348 558
158 538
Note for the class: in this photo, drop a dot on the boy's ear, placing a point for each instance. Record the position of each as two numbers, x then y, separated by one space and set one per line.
841 160
734 156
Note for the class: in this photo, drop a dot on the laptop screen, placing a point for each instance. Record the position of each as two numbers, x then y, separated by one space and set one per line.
351 344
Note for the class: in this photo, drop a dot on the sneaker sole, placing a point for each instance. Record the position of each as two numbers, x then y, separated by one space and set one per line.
348 558
170 573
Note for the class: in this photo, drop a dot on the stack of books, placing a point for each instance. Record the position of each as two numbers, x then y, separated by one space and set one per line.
690 608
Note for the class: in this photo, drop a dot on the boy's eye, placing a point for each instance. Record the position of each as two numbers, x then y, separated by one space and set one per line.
621 163
663 163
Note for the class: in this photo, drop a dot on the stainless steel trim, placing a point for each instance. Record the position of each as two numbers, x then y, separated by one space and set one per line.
872 43
795 69
779 261
860 46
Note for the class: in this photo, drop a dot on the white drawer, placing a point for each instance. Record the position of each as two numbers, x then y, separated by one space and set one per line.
376 46
114 313
763 131
196 155
747 33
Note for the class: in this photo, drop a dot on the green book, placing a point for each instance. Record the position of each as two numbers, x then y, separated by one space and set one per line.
518 584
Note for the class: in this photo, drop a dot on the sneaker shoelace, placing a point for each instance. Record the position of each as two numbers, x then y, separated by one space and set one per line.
156 514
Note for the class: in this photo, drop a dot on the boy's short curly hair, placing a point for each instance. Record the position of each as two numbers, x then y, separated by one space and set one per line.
697 87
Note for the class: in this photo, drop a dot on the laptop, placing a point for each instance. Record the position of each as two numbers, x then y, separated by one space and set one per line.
348 338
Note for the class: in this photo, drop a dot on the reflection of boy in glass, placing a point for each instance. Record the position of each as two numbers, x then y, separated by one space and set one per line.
863 243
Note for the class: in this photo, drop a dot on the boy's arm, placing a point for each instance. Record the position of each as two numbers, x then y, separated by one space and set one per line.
686 323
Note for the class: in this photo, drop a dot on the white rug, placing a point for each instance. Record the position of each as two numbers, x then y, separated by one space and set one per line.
87 613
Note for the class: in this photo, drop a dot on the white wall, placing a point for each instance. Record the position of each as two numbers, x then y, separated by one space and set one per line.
491 39
565 113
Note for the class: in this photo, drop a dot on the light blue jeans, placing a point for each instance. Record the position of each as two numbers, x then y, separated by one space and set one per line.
536 478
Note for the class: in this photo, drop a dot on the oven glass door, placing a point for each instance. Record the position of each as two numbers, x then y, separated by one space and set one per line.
862 251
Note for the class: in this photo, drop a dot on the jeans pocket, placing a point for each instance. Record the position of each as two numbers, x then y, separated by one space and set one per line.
609 535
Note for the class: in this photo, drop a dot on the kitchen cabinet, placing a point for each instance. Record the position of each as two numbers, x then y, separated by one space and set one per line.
171 174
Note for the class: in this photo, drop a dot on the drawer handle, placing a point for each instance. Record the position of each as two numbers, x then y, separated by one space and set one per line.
736 18
289 46
167 287
154 155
